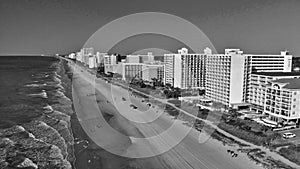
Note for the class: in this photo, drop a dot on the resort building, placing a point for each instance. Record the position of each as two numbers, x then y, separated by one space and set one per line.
110 63
226 76
185 70
271 63
92 61
282 100
132 59
100 57
149 58
86 53
258 85
142 71
151 71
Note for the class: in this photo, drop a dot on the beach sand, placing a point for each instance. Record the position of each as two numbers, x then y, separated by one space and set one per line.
113 128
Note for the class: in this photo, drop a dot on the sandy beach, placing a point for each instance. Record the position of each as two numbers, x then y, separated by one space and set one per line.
121 130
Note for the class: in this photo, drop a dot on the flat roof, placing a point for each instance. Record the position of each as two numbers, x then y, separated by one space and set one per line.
291 83
278 73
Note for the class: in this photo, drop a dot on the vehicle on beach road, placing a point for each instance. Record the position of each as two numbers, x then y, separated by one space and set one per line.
288 135
133 106
123 99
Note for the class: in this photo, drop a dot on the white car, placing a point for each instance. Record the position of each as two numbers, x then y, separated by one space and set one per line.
288 135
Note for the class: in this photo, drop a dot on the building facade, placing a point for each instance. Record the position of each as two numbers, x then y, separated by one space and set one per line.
142 71
185 70
258 85
110 63
226 76
271 63
282 101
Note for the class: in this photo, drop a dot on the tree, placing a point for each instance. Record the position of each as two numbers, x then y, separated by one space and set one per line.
168 85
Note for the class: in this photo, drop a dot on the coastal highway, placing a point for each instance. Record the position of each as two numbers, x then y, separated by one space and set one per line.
141 123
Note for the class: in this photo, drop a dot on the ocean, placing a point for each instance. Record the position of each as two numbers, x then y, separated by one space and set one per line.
35 113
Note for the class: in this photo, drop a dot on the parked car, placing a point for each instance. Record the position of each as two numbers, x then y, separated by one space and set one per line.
288 135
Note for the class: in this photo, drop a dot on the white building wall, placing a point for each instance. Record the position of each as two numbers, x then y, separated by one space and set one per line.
287 66
132 59
92 62
295 105
177 71
237 75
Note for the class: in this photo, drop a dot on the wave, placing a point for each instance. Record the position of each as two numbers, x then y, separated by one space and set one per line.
43 94
56 79
36 85
48 109
34 148
57 75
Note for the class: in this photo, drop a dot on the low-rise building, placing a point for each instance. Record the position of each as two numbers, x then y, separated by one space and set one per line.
146 72
258 84
282 101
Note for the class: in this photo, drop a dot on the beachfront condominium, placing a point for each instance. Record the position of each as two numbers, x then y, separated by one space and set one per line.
282 100
132 68
86 53
185 70
110 63
271 62
132 59
146 72
226 76
149 58
258 86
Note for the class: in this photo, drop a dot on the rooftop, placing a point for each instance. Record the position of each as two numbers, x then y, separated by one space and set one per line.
291 83
278 73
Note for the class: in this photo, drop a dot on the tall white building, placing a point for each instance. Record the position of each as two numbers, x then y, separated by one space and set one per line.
110 63
132 59
92 61
270 62
226 76
86 53
185 70
100 57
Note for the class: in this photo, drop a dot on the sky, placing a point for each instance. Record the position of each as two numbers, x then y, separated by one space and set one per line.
63 26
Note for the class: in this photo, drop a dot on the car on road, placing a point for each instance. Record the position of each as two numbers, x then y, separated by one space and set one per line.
133 106
288 135
123 99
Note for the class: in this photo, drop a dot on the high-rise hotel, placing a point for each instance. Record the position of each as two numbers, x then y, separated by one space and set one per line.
185 70
228 75
225 77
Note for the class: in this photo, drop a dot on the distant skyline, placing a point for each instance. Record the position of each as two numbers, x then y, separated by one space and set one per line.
63 26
